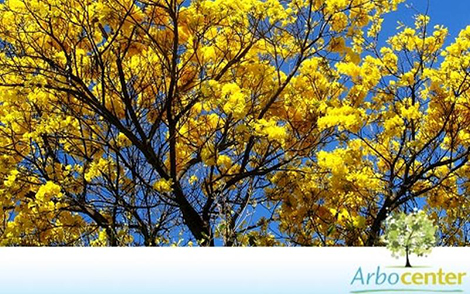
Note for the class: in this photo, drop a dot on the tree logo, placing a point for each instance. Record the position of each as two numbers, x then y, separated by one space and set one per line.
409 233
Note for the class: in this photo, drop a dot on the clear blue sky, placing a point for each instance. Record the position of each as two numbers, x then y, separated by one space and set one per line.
453 14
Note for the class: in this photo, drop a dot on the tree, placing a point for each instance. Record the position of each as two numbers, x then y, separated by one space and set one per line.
400 141
412 233
140 122
152 122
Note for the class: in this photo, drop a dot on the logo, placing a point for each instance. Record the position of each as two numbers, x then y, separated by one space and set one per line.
404 281
407 234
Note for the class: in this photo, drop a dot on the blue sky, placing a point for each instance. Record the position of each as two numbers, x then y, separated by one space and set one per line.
453 14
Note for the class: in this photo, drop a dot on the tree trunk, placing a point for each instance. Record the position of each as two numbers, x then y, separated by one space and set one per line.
374 232
407 258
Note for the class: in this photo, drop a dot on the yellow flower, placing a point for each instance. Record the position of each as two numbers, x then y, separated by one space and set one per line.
359 221
345 117
96 168
224 160
270 129
163 186
102 239
339 21
11 178
235 103
47 191
208 155
193 179
123 141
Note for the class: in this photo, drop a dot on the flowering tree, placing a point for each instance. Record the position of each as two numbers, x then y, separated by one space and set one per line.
412 233
401 140
153 122
129 122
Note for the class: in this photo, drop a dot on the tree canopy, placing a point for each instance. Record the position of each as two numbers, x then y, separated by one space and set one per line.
409 233
227 122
